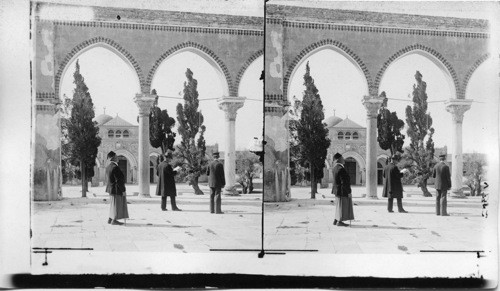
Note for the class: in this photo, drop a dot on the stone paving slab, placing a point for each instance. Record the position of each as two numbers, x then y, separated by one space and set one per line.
309 223
77 222
301 223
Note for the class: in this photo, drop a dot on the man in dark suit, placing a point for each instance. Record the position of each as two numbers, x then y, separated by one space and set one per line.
216 182
116 189
441 173
393 188
166 183
342 190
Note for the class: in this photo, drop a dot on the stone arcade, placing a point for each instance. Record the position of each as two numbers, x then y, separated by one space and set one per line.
143 39
372 41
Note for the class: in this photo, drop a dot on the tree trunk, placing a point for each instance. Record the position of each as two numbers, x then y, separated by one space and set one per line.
250 185
314 185
425 191
479 188
84 180
472 191
196 188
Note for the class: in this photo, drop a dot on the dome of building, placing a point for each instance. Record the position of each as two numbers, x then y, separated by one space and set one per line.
332 121
103 118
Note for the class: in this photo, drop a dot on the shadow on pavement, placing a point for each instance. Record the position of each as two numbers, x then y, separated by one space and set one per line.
374 226
208 212
450 214
160 225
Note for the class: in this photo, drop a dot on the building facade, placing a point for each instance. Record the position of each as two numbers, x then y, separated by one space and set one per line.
122 137
349 139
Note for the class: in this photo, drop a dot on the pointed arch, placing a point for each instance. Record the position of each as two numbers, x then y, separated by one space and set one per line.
132 159
203 52
470 72
430 54
325 44
243 69
98 41
355 155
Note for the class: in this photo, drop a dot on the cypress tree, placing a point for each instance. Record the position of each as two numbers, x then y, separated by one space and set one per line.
83 133
420 153
192 147
312 132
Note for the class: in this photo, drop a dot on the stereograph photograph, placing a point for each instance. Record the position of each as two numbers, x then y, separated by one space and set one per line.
236 144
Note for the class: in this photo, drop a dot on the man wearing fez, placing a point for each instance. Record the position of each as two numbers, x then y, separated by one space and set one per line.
166 182
441 173
393 188
216 182
116 189
342 190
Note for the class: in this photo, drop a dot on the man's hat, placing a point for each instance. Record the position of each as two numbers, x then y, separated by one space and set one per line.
111 154
337 156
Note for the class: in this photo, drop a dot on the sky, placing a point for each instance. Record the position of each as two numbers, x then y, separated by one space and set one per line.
113 85
461 9
232 7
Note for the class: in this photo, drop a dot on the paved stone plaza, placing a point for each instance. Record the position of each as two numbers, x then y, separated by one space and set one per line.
308 224
82 222
302 224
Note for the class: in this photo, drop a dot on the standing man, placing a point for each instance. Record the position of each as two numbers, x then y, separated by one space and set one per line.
116 189
393 188
216 182
441 173
166 183
342 190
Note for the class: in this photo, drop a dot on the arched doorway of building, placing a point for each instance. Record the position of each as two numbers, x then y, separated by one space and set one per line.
380 174
123 165
151 172
350 167
154 161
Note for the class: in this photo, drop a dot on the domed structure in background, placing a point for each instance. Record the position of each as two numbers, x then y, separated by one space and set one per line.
102 119
332 121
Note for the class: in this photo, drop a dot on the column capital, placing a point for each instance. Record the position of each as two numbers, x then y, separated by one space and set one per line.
372 105
230 105
457 108
144 101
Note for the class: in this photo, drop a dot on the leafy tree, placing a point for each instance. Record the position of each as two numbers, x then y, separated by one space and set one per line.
297 170
248 167
420 153
312 134
68 170
192 147
83 133
389 129
160 128
474 168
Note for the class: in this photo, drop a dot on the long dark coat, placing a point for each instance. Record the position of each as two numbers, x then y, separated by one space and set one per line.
341 181
116 180
393 188
441 173
215 172
166 181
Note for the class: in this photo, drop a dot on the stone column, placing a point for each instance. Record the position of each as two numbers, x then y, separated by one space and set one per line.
230 105
372 105
144 102
457 108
